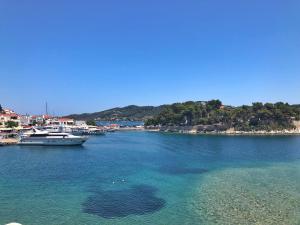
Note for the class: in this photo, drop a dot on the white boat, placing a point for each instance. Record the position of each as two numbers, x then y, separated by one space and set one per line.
38 137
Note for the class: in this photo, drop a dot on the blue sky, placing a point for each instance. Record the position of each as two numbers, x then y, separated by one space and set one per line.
85 56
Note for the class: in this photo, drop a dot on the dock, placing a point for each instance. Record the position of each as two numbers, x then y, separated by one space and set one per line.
8 141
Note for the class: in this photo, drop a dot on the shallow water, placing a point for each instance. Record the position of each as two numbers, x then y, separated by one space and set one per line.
153 178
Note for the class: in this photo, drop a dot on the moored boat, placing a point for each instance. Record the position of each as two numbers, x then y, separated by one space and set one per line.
38 137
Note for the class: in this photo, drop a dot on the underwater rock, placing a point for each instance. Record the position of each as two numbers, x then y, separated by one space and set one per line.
266 195
136 200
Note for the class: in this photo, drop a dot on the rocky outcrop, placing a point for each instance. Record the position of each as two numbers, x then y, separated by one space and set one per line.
222 129
194 129
297 124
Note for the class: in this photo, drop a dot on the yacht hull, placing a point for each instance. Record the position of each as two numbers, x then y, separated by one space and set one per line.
53 141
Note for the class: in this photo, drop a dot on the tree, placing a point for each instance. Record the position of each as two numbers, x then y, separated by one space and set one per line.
257 106
259 116
1 109
91 122
214 104
11 124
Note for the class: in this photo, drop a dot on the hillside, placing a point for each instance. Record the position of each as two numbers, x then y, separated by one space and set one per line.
258 116
132 112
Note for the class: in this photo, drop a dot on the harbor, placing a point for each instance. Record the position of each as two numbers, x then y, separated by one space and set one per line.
14 127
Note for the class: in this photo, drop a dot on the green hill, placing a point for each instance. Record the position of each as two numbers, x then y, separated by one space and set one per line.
258 116
132 113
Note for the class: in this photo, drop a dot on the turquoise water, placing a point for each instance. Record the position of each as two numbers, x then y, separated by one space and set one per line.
152 178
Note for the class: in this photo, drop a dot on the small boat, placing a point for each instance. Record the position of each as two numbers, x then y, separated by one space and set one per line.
38 137
90 130
94 130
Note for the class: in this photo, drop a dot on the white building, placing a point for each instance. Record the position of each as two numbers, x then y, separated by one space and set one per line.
80 123
25 120
62 121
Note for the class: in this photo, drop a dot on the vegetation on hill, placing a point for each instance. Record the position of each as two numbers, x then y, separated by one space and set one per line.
259 116
131 113
91 122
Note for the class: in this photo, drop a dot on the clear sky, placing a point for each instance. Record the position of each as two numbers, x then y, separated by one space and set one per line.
85 56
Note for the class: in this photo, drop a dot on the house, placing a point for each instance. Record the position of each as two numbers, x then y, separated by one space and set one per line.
48 119
66 121
114 126
40 119
62 121
4 118
80 123
37 119
25 120
8 111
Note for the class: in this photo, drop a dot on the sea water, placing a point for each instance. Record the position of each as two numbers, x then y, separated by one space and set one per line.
153 178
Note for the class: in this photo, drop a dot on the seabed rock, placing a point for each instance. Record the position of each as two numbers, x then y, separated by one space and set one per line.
268 195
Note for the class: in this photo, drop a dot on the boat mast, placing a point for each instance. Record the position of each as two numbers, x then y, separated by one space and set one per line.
46 108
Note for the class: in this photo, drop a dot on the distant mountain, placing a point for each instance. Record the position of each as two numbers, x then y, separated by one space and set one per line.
131 112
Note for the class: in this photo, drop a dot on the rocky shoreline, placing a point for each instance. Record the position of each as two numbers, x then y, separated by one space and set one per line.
218 130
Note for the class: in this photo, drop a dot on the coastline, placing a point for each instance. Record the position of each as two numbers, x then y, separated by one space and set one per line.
229 132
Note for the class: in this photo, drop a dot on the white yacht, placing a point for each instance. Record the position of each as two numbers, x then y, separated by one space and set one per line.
38 137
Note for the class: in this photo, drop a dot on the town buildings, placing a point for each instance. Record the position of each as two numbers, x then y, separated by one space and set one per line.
7 116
